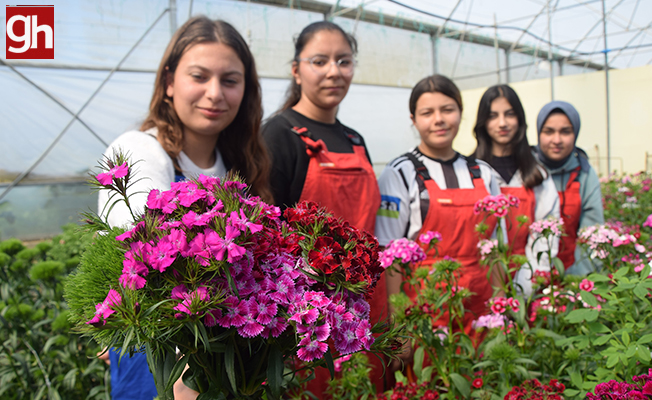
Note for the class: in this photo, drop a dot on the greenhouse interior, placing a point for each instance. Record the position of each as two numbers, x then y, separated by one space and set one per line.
60 115
218 325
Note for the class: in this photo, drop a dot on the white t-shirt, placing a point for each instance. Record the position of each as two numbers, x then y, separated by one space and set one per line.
400 210
153 170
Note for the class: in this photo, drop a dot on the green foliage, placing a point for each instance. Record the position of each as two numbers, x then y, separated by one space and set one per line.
39 356
45 270
576 331
83 289
27 254
11 246
449 349
353 382
61 323
5 259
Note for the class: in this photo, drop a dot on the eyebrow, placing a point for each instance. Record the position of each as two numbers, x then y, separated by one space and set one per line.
232 72
432 108
337 55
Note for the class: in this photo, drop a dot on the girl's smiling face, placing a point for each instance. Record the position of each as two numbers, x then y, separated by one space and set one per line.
437 117
207 88
502 126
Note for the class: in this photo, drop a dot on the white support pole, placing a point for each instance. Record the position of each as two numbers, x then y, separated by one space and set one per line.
173 16
433 51
497 49
508 76
606 81
552 67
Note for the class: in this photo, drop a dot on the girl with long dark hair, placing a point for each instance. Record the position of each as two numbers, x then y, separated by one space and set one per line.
314 156
317 158
500 130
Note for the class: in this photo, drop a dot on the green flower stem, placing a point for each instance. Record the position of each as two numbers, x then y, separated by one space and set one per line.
252 384
237 353
552 289
126 198
207 371
40 365
10 358
504 262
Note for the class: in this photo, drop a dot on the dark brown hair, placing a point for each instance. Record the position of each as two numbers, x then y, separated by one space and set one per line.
240 143
435 84
293 94
525 161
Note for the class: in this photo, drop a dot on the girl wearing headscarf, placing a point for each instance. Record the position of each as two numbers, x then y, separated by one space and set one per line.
558 126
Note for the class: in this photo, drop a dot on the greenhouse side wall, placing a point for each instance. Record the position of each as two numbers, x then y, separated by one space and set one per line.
391 61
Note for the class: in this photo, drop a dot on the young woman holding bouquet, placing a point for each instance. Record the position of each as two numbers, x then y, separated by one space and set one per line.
314 156
434 188
204 118
500 130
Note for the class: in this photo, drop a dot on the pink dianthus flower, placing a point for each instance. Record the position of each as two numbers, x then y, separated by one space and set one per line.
119 171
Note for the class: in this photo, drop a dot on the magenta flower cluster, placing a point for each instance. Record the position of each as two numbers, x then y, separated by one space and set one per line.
489 321
648 221
118 171
497 205
104 309
602 240
487 247
641 389
222 258
500 305
407 251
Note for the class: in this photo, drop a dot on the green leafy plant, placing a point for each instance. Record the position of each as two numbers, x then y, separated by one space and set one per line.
39 357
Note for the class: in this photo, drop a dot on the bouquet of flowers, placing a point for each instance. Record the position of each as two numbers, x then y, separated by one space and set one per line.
211 279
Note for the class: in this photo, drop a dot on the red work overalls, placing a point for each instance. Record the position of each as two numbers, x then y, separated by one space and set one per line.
345 183
451 213
571 210
517 237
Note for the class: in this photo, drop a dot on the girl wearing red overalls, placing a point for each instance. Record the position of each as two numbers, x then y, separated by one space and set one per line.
500 129
317 158
434 188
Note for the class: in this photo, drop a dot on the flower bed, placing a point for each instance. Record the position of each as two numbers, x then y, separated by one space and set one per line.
584 337
581 335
